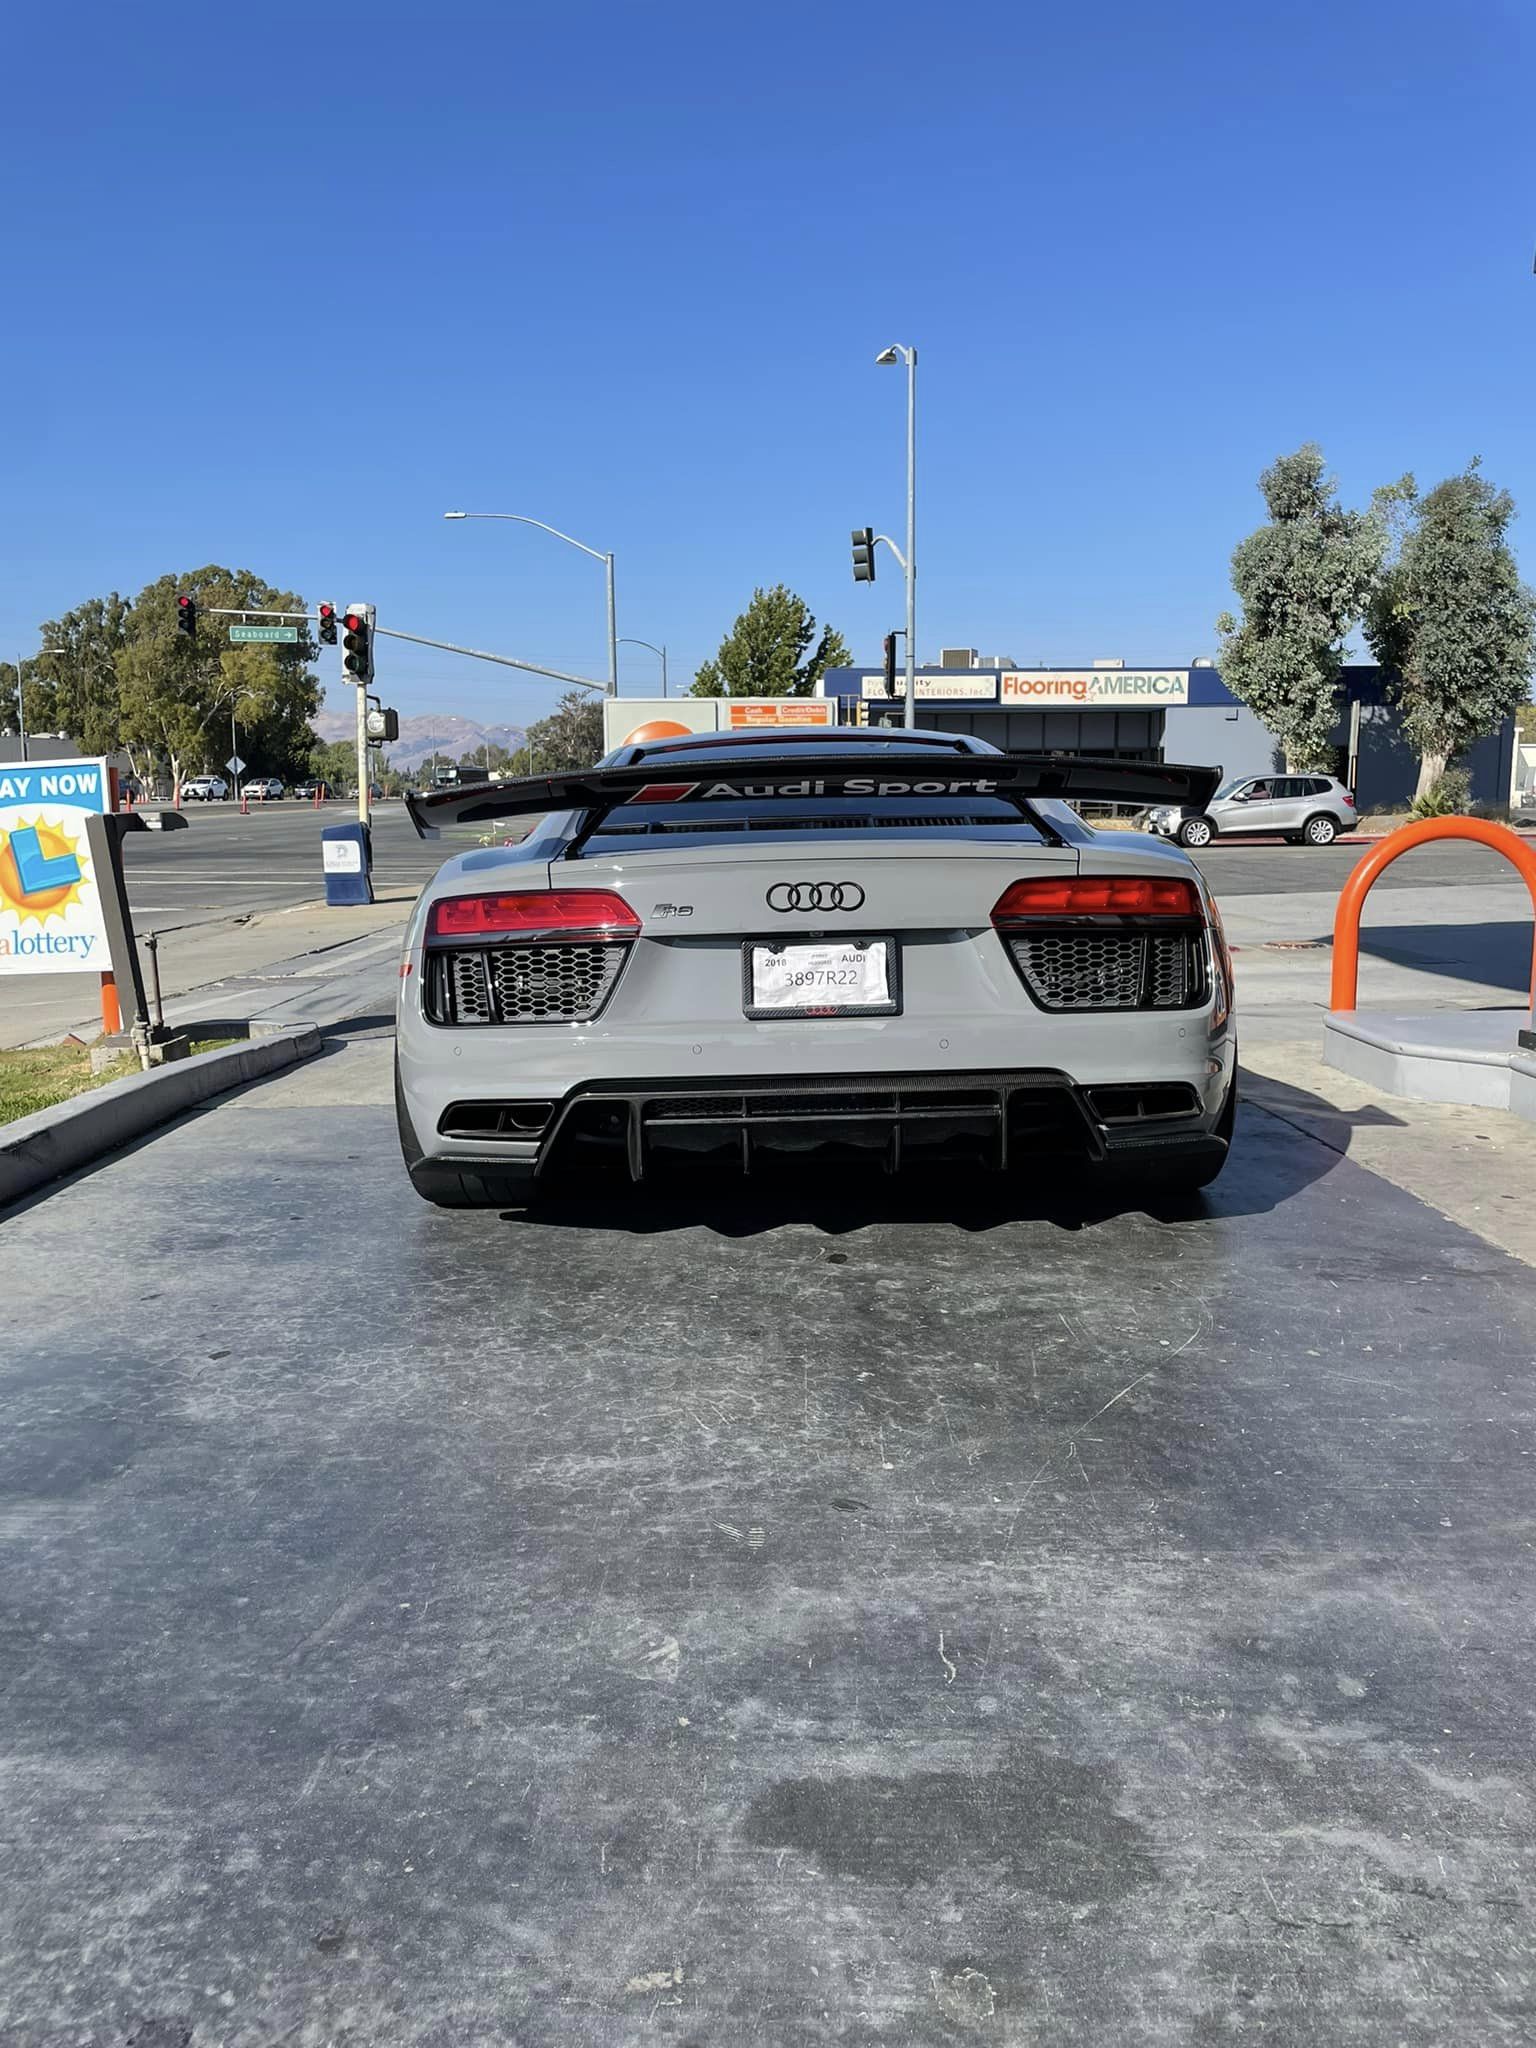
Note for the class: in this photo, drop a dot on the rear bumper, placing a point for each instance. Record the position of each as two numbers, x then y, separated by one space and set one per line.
986 1120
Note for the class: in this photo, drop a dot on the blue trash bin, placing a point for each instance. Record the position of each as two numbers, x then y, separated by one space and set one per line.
347 857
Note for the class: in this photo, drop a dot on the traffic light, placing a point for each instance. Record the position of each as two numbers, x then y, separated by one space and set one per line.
863 554
890 664
391 726
327 625
186 618
383 726
357 642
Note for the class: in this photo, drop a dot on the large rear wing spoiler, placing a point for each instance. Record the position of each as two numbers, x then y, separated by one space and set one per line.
699 775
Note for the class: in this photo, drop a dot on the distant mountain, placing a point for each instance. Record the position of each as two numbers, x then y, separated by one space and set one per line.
442 733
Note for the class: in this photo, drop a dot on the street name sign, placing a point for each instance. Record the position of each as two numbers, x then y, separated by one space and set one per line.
264 636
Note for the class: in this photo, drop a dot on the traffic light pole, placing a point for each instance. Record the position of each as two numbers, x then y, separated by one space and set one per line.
533 668
911 534
363 808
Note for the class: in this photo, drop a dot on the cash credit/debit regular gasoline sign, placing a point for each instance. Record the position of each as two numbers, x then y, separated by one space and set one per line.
50 906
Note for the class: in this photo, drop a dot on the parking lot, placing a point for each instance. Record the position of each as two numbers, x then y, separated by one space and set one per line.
864 1613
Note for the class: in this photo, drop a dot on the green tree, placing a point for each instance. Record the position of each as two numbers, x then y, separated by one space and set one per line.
1303 581
177 696
39 701
1452 621
572 735
334 762
85 649
765 652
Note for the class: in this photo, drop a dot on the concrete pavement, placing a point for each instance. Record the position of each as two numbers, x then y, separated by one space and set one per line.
883 1614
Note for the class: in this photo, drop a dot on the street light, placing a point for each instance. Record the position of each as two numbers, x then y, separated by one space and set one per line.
597 554
630 641
898 352
21 709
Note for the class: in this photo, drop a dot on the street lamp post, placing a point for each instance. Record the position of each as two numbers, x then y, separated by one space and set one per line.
629 640
21 708
597 554
899 352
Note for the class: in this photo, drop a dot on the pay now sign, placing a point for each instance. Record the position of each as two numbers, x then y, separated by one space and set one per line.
50 907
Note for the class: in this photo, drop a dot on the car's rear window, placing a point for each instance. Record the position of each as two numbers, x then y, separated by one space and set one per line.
724 816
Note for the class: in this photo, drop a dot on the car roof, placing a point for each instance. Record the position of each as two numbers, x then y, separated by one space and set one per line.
784 738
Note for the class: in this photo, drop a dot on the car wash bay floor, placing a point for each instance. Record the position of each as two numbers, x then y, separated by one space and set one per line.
897 1614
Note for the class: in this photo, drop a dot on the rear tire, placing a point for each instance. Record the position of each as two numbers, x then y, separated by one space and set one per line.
1321 830
1195 832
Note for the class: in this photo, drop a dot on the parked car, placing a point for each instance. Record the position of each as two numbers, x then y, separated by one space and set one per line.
889 947
1306 810
205 789
307 792
263 789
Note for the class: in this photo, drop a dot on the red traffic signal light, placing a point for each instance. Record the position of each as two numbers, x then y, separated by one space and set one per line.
327 625
186 617
357 644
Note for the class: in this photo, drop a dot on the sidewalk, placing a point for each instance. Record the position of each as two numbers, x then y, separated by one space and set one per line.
230 970
1439 947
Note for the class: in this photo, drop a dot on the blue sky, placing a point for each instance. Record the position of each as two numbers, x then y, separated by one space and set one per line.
283 285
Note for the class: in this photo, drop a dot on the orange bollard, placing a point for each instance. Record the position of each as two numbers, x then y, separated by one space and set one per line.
111 1009
1345 986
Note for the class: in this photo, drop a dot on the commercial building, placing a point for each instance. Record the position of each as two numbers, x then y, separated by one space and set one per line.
1166 712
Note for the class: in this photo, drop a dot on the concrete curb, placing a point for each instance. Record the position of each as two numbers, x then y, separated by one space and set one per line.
38 1149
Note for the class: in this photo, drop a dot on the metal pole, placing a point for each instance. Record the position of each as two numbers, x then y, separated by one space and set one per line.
362 754
613 632
911 534
21 711
1354 745
663 669
234 748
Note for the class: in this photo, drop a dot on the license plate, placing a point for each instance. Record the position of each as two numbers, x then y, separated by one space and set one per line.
832 978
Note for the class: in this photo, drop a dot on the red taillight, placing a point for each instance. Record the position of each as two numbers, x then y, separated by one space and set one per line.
1098 896
532 910
1349 799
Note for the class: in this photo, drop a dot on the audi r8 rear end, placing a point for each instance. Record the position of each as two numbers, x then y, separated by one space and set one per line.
858 945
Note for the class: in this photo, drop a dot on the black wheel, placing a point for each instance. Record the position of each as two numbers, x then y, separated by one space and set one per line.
1196 832
1320 831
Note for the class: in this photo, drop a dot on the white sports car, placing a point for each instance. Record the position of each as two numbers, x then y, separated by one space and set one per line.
876 944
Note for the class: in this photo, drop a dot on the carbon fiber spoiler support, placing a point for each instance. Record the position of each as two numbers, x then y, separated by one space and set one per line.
697 777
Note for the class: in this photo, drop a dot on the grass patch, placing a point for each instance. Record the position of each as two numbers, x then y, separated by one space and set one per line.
48 1074
37 1079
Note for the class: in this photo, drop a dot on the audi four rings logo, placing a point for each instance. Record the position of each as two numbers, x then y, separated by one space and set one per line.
815 896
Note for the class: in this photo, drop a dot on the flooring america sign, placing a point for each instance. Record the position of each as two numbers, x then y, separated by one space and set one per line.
50 907
1058 689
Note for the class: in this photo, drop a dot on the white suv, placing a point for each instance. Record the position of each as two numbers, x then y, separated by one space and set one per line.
205 789
1306 810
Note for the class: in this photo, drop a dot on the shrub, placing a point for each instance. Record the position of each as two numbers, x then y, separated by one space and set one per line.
1450 796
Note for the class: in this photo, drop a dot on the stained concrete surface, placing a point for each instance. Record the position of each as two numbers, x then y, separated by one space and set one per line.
918 1616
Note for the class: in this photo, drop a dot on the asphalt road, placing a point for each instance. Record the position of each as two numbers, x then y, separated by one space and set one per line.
857 1615
225 863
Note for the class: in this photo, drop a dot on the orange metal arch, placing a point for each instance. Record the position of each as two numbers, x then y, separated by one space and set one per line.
1346 923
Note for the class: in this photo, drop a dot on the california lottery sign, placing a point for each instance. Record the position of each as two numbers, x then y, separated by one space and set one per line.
50 907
